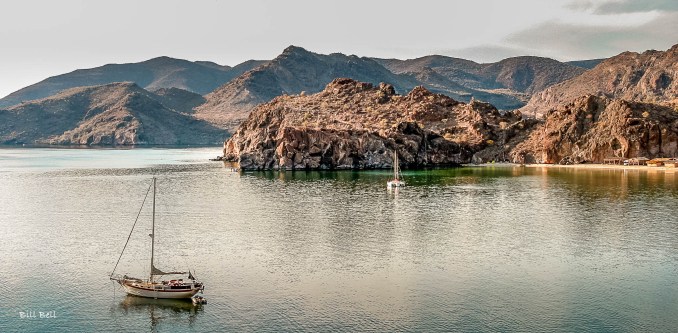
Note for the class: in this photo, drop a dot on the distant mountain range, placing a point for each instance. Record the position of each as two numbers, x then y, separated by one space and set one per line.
507 84
292 72
208 96
518 75
163 72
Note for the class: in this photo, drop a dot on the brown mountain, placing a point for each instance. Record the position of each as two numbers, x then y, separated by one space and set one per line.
178 99
163 72
649 77
113 114
507 84
586 64
527 74
295 70
354 124
592 128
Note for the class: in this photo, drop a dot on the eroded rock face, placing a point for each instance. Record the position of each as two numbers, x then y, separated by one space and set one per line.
593 128
353 124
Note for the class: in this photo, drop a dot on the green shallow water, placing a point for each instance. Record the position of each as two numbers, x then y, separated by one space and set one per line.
483 249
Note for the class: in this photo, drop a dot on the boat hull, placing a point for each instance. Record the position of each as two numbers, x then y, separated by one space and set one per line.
150 293
395 183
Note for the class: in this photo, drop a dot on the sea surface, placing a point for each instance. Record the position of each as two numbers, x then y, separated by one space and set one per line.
473 249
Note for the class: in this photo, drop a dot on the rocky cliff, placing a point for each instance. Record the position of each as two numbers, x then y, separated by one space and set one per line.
354 124
113 114
592 128
650 77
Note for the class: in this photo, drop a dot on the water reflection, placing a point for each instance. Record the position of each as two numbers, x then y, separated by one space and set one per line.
476 249
160 310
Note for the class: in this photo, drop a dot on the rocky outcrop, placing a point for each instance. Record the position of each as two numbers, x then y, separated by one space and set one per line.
592 128
354 124
113 114
650 77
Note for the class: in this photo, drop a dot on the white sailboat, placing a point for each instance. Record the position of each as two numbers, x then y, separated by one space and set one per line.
151 287
396 181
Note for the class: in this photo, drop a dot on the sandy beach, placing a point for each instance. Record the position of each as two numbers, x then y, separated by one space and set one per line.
578 166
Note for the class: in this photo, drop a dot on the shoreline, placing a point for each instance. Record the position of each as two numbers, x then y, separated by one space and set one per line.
576 166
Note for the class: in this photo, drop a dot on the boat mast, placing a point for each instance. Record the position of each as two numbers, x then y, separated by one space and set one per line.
395 165
153 233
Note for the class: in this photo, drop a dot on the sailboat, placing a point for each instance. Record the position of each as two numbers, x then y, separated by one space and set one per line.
152 287
396 181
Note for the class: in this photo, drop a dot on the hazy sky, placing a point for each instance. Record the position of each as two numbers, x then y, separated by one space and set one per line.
45 38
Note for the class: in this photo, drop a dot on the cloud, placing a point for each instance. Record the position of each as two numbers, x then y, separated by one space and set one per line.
566 41
603 7
634 6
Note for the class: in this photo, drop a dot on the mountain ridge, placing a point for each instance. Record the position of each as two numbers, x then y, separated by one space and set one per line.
650 76
113 114
161 72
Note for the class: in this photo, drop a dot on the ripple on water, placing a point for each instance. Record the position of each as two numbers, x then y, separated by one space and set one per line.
474 249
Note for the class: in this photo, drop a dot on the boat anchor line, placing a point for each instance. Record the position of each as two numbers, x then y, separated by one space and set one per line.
176 288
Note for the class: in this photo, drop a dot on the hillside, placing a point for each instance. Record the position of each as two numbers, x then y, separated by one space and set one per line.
527 74
354 124
507 84
649 77
163 72
591 128
294 71
586 64
113 114
178 99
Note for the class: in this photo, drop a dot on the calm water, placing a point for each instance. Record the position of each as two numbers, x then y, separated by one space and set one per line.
488 249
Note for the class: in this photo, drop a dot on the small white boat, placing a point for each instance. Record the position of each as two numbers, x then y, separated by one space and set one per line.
151 287
396 181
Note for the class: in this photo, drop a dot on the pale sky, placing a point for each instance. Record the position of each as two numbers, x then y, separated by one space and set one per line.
46 38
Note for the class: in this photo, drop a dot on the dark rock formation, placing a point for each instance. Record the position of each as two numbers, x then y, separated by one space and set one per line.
353 124
593 128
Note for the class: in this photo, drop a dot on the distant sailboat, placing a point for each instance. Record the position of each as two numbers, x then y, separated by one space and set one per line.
150 287
396 181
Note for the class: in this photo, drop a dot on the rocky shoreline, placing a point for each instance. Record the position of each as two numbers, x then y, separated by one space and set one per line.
355 125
